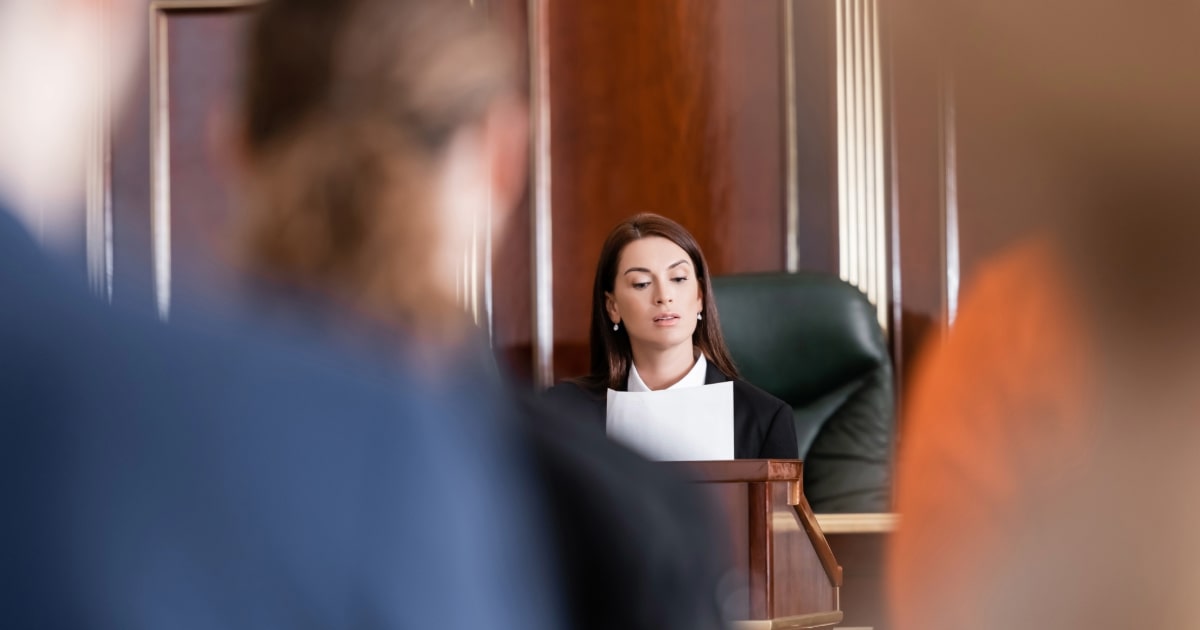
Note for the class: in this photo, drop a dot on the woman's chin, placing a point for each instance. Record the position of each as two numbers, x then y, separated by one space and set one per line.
664 340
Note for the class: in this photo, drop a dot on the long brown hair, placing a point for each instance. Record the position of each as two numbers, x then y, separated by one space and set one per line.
612 354
347 108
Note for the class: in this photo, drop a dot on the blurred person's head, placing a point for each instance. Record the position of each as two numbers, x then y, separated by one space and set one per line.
1093 105
374 133
58 60
652 294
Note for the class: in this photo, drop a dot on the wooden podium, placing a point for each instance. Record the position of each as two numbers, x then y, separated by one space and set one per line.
788 577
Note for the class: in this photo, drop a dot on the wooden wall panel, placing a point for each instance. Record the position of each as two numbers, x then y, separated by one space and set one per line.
673 107
918 172
200 53
512 264
814 59
863 595
512 294
203 65
747 230
132 263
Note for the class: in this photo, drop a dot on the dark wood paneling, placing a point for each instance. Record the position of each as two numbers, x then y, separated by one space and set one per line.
512 289
203 49
801 583
670 106
815 65
783 566
512 296
863 597
762 556
746 227
201 53
132 266
918 179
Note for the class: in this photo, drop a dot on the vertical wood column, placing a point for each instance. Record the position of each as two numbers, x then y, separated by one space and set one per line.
673 107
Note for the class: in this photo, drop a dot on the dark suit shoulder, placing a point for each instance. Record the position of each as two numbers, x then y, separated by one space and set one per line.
773 418
763 424
757 399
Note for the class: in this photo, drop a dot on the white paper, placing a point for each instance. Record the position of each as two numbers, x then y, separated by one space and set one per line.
686 424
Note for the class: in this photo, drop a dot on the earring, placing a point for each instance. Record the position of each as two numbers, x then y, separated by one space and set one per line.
616 327
699 316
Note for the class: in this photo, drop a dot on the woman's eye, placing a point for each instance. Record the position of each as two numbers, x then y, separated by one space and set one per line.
680 279
640 285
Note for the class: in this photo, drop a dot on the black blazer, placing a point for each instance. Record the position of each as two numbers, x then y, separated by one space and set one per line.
634 542
762 424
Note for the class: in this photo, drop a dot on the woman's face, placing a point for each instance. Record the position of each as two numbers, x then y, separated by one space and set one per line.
656 295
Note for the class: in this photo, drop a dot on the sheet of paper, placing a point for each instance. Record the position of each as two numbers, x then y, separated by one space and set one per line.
688 424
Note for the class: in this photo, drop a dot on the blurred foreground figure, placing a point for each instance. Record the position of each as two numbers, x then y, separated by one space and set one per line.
1047 475
215 476
379 138
376 137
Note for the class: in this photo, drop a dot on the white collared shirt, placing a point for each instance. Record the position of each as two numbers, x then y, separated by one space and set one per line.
694 378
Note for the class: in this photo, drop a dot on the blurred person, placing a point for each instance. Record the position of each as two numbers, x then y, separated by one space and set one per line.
374 135
224 474
372 132
655 326
996 413
1059 411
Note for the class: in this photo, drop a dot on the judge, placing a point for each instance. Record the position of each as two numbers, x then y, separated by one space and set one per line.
655 327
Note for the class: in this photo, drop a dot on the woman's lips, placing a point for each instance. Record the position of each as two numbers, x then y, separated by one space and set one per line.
666 319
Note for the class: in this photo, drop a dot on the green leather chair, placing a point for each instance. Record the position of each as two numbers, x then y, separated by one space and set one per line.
813 341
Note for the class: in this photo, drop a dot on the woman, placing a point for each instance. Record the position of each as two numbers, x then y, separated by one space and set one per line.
655 326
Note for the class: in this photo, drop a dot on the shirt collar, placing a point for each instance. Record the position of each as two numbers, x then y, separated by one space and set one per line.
694 378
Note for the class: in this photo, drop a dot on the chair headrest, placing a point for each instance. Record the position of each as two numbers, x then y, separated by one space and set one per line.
799 335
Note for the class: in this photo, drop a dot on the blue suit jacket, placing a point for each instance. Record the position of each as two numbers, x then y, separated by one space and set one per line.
152 477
